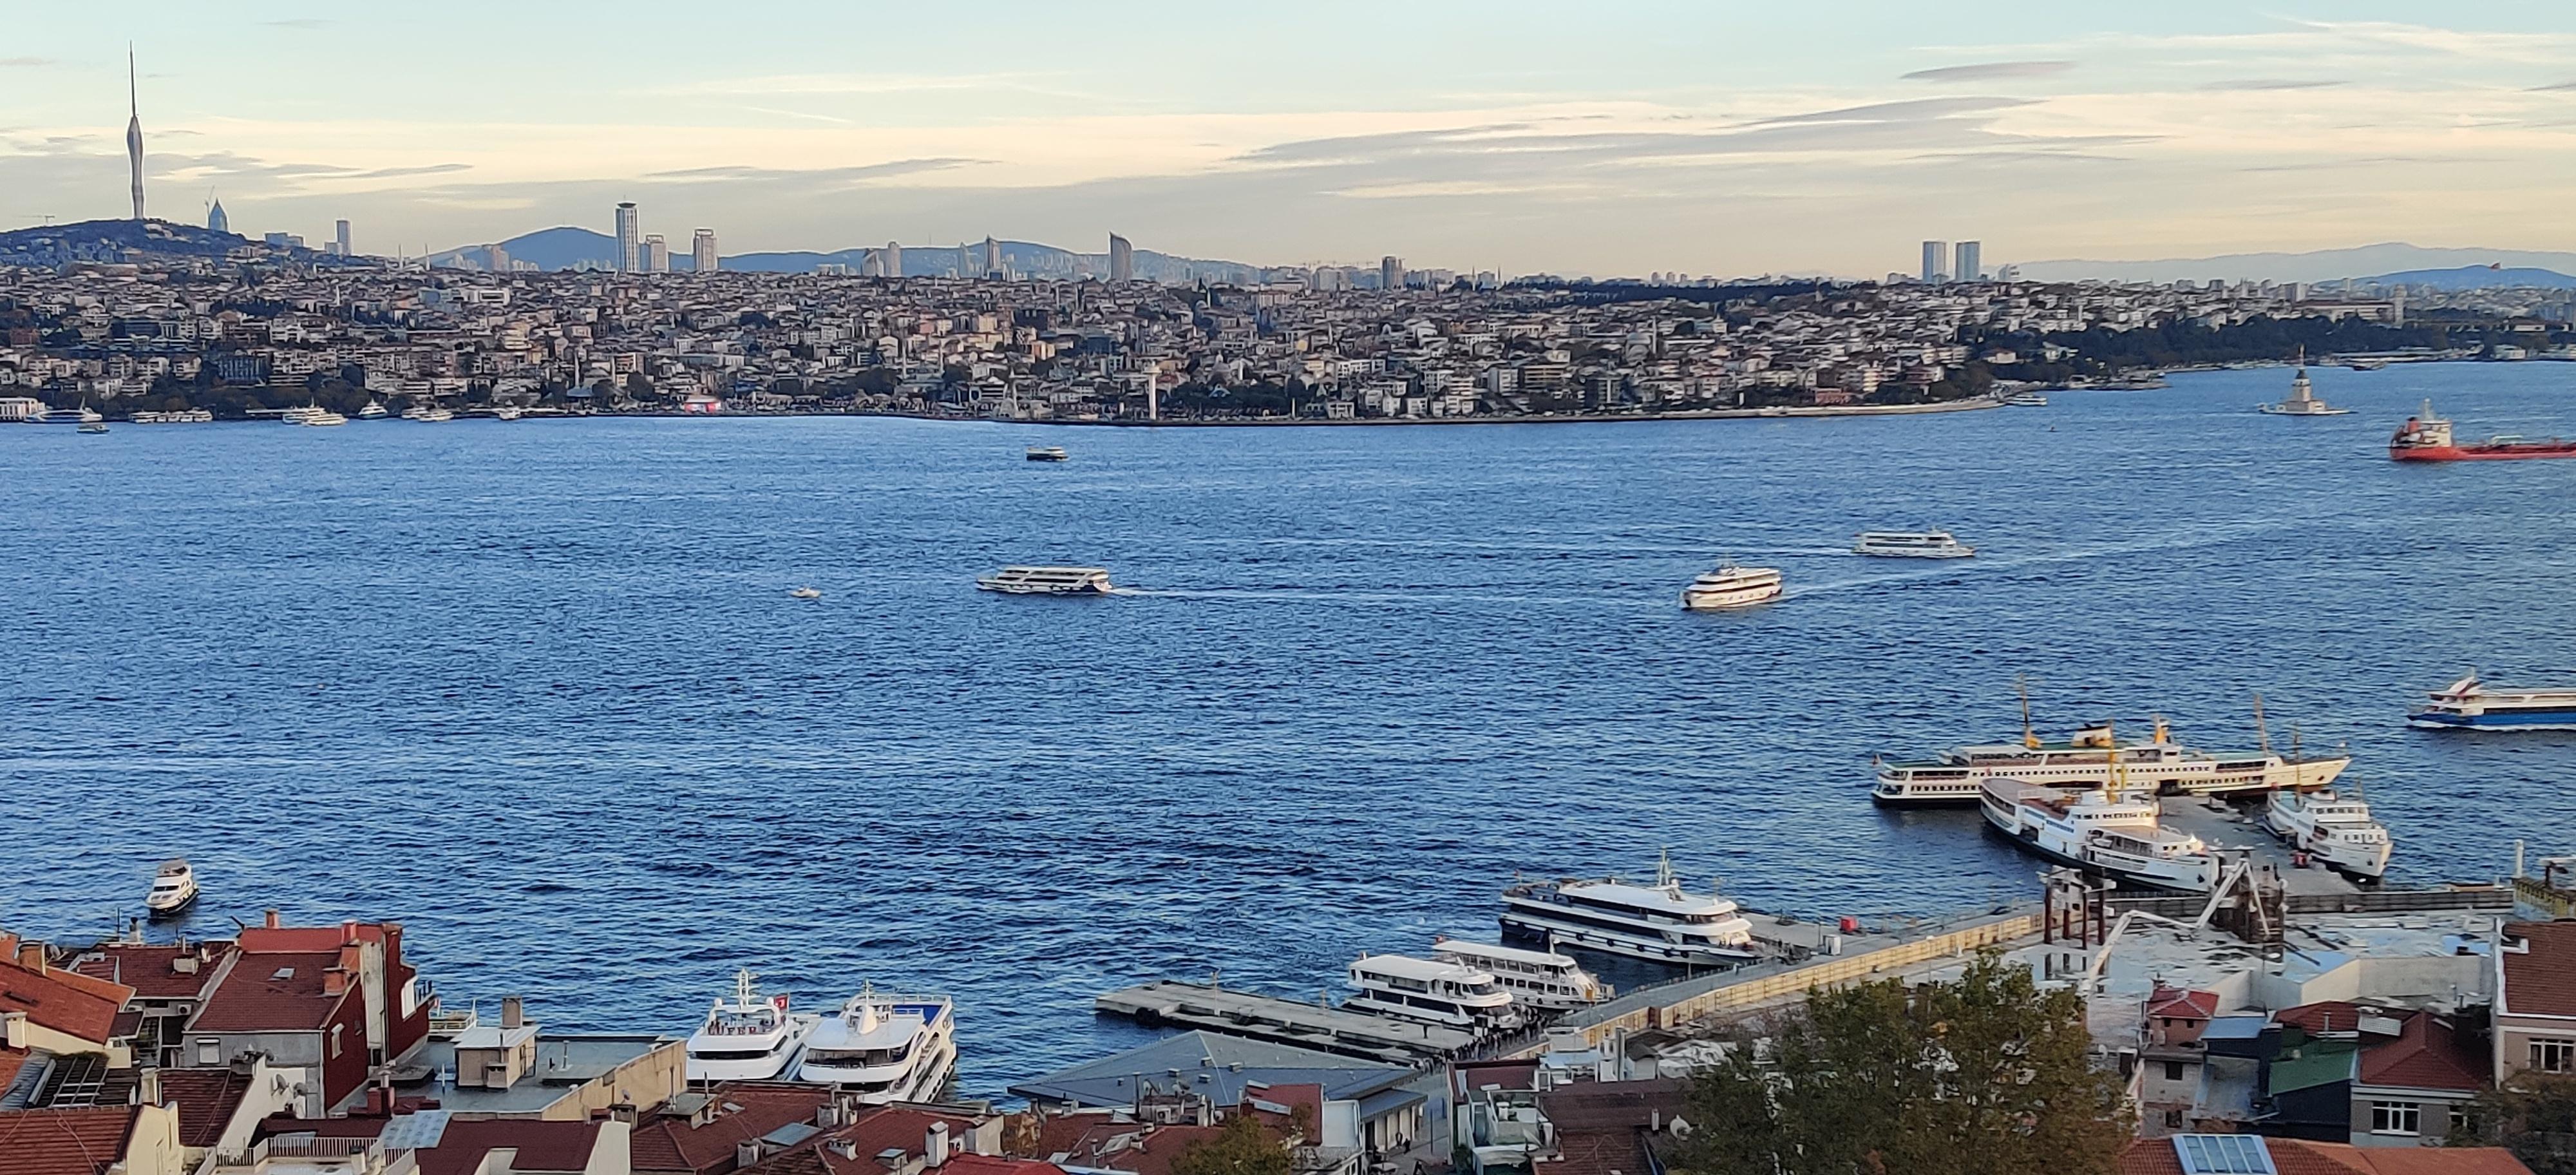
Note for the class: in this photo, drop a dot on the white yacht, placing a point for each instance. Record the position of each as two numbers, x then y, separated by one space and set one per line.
1731 586
81 415
807 593
180 416
1655 922
2087 761
2335 830
747 1038
2105 831
373 411
174 889
1047 581
884 1048
2026 400
2471 704
312 416
508 412
92 426
1911 544
428 414
1433 991
2303 399
1542 981
1048 453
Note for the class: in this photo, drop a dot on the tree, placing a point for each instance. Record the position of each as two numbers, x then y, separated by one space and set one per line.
1984 1075
2533 1114
1241 1147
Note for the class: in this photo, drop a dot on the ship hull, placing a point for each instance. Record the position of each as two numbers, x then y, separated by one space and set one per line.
2479 452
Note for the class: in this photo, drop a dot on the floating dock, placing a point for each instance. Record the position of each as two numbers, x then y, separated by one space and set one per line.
2227 826
1283 1021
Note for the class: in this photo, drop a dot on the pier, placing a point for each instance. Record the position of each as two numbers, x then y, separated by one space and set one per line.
1284 1021
2234 830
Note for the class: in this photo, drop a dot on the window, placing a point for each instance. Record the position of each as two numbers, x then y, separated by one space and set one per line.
2173 1119
335 1040
210 1051
2551 1054
2464 1123
2396 1118
2173 1070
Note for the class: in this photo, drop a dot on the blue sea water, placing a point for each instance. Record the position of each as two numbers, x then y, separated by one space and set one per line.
537 690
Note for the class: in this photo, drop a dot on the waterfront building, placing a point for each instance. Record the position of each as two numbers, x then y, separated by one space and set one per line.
628 243
702 251
1970 266
1935 255
1122 259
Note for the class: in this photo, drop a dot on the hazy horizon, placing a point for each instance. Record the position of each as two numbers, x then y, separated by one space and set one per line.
1629 139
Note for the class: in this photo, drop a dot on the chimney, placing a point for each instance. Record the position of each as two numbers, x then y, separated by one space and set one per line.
147 1086
827 1115
934 1149
335 981
271 921
513 1013
348 931
13 1030
746 1153
31 955
847 1148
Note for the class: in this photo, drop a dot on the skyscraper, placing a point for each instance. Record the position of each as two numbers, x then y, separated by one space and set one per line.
1970 265
893 259
992 257
627 242
340 234
657 254
134 131
496 258
1122 259
216 221
1935 253
702 251
1390 272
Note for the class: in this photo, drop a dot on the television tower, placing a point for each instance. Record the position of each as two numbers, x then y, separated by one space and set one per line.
134 130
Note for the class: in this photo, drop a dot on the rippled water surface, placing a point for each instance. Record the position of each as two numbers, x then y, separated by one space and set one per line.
537 690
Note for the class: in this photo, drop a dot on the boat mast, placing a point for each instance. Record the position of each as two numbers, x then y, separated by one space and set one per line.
2029 737
2262 729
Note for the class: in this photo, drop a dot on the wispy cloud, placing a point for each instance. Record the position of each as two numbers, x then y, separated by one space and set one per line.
2552 88
24 62
391 172
305 23
2225 84
1990 71
808 116
845 83
824 176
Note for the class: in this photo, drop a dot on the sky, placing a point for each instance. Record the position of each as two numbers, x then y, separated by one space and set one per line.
1602 138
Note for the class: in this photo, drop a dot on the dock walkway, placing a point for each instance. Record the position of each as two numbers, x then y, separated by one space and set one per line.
1284 1021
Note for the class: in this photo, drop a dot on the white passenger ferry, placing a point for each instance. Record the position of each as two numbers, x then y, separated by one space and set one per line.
174 889
1731 586
1911 544
1048 453
1542 981
2085 761
1434 992
884 1048
2332 829
374 410
312 416
1658 922
2105 831
2470 704
1048 581
428 414
747 1038
179 416
2026 400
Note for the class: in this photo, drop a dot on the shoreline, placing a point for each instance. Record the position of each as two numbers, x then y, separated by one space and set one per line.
1970 404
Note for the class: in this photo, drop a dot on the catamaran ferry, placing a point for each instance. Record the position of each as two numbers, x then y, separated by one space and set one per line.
1433 991
2105 831
2470 704
2087 760
883 1048
1658 923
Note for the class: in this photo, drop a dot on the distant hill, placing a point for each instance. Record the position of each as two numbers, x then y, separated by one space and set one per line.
2316 266
566 247
2473 277
116 240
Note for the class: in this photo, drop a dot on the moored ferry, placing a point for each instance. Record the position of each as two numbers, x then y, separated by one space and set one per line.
1910 544
1957 776
1434 991
747 1038
2105 831
1658 923
2426 437
178 416
884 1048
1731 586
2331 828
2470 704
1543 981
1047 581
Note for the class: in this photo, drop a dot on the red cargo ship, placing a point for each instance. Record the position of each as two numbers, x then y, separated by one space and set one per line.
2426 437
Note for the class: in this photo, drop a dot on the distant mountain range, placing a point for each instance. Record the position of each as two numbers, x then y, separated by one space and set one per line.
2474 277
2389 258
113 240
567 247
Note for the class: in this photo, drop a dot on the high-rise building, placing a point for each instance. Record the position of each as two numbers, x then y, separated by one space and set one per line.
657 254
892 259
1935 255
702 251
627 242
1970 267
1390 272
992 257
496 258
1122 259
340 235
134 131
216 221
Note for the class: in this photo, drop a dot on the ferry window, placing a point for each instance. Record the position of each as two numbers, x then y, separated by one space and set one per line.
2553 1055
2396 1118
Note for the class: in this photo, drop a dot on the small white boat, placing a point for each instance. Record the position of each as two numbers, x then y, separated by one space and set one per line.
373 411
2332 829
1911 544
807 593
747 1038
2303 399
92 426
174 889
2026 400
1433 991
884 1048
1731 586
508 412
1047 581
1542 981
1048 453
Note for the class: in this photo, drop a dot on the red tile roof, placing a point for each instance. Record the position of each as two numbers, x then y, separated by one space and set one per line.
2325 1016
272 992
2427 1054
2290 1156
2540 978
149 968
207 1100
988 1165
72 1004
1126 1146
877 1131
64 1142
2175 1003
671 1144
542 1146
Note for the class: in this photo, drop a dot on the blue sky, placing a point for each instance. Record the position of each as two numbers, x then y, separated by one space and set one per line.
1602 138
